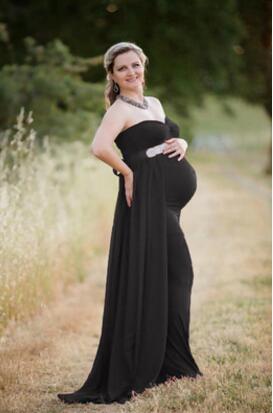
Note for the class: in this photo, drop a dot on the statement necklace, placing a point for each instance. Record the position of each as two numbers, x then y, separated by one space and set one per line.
143 105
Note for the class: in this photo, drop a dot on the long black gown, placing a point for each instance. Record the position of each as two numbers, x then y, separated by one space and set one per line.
145 329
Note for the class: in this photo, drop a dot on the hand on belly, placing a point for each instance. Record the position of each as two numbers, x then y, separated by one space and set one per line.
175 146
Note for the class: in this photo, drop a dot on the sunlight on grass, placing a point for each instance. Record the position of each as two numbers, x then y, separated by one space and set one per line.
56 208
234 338
54 217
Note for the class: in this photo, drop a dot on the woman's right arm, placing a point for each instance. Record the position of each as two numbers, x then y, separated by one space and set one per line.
102 146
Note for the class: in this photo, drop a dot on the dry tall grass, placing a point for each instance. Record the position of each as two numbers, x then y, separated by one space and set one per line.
52 220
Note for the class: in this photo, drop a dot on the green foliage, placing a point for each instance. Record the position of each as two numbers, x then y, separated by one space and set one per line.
49 84
191 45
195 48
256 51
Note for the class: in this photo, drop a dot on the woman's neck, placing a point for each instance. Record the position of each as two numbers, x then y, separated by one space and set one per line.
136 95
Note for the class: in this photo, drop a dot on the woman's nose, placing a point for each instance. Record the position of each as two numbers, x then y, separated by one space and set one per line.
131 71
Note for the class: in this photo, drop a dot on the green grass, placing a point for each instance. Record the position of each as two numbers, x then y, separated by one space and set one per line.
245 133
233 334
244 126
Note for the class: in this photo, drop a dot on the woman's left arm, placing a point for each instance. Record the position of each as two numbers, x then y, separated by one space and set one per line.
176 145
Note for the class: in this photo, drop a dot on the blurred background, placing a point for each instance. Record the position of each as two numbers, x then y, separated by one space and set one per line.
210 65
51 62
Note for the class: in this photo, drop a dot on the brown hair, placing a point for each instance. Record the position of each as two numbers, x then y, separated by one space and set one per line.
108 63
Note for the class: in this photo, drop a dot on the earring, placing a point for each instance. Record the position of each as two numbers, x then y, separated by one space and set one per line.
116 88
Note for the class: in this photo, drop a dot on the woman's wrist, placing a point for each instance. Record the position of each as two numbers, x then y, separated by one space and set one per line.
127 172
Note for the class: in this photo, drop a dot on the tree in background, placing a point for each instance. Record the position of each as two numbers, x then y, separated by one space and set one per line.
49 83
190 45
194 48
256 49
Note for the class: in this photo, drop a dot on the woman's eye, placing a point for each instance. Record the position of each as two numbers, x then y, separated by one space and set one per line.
124 67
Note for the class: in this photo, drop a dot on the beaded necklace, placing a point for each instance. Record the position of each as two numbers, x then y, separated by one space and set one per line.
131 101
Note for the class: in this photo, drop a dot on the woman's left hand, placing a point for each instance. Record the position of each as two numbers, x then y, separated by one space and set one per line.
178 145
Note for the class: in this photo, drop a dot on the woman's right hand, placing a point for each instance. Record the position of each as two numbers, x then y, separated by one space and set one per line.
128 186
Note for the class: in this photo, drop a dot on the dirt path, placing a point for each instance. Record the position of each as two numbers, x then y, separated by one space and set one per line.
227 227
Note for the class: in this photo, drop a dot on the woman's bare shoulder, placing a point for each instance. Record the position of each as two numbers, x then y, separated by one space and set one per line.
153 99
117 106
156 103
112 123
116 112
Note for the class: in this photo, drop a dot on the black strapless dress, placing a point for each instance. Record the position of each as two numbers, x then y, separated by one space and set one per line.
145 328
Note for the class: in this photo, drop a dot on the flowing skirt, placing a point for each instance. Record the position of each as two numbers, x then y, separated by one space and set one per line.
145 328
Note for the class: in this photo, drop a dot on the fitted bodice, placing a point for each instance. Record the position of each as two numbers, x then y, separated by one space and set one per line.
145 134
179 178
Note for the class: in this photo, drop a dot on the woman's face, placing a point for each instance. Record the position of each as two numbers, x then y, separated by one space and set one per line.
128 71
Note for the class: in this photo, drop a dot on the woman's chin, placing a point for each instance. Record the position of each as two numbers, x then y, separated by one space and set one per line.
132 87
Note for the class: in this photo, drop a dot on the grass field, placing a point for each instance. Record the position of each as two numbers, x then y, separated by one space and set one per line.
53 212
50 347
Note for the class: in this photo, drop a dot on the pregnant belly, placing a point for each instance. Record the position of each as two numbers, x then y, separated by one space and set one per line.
180 181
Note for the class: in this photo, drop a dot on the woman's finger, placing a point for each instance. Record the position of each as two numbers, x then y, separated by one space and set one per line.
128 197
129 200
181 156
171 148
175 153
183 144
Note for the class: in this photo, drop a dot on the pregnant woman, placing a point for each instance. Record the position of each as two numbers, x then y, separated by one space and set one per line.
145 329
